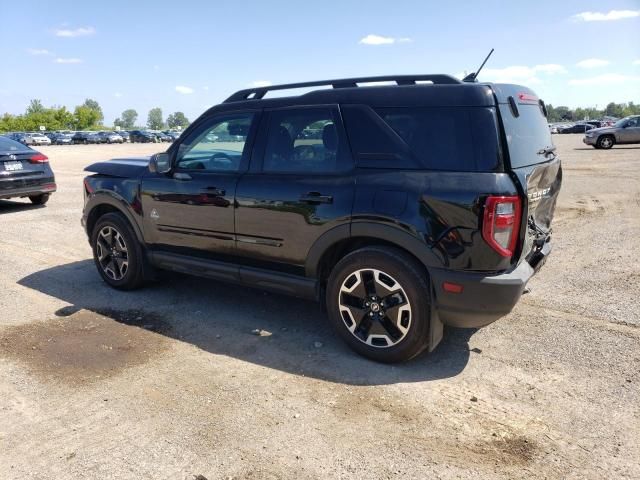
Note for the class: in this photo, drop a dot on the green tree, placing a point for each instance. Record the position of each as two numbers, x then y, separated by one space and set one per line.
95 106
35 106
154 120
85 117
177 119
129 118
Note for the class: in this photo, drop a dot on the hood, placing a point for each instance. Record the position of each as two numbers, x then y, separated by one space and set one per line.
601 130
121 167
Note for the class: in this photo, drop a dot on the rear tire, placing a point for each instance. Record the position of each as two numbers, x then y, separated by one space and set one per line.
117 253
378 300
606 142
39 199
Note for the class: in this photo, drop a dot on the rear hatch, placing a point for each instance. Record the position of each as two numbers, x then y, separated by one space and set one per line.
533 162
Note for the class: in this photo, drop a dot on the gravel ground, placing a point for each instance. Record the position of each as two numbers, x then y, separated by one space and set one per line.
169 382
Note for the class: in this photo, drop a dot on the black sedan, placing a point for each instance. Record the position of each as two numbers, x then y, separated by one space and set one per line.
85 138
577 128
142 136
24 172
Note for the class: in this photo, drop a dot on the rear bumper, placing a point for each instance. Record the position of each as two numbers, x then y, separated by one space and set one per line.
12 188
484 298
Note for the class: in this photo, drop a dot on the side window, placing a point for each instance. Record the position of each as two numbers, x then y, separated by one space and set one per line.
304 140
217 146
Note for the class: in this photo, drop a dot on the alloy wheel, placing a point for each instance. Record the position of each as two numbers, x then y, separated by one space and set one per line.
112 253
375 308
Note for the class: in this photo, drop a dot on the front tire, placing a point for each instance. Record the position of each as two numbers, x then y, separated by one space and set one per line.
39 199
117 253
606 142
378 300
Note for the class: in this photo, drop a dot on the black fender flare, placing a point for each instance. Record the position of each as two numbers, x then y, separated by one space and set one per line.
387 233
107 197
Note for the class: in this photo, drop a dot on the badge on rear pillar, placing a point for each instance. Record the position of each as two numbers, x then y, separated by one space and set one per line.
154 214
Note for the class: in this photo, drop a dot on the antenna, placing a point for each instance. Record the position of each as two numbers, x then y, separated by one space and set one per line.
473 76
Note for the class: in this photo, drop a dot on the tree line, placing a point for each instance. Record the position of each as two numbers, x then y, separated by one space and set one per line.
617 110
87 116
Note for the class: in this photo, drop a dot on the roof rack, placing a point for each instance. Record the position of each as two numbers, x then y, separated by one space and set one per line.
259 92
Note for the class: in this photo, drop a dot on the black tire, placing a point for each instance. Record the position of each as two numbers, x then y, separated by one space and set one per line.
133 276
39 199
398 270
606 142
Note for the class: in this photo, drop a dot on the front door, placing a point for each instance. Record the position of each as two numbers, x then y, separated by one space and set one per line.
631 132
191 209
300 185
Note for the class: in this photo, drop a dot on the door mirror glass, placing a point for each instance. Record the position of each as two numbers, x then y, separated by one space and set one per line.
160 163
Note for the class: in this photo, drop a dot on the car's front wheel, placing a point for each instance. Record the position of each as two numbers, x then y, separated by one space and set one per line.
117 253
39 199
378 300
606 142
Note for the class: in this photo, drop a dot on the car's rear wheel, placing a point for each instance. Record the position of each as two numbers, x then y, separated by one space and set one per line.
39 199
117 252
606 142
378 301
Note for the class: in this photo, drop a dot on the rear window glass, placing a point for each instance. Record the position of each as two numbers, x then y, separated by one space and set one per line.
8 145
453 138
526 134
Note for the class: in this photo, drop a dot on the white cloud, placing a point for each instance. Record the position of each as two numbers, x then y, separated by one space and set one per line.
636 62
75 32
67 60
206 88
592 63
373 39
605 17
38 51
117 94
184 90
260 83
521 73
606 79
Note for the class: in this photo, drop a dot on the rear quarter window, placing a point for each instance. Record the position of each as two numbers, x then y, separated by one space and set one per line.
435 138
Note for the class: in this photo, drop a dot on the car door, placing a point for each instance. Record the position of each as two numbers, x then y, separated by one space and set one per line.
300 185
190 210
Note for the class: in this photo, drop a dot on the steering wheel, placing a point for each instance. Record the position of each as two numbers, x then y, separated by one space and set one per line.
221 157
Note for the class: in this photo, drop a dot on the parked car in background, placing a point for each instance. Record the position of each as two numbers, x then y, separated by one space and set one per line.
109 137
576 128
142 136
595 123
173 134
40 138
61 138
624 131
85 138
162 137
124 135
23 138
24 172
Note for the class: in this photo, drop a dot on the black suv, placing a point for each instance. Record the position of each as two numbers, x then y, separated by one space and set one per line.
401 207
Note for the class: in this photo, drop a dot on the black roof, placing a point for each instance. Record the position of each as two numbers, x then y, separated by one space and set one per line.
444 91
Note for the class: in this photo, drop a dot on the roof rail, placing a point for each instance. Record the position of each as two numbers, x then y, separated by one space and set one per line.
259 92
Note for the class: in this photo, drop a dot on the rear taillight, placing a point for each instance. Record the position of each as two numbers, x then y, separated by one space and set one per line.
501 224
39 158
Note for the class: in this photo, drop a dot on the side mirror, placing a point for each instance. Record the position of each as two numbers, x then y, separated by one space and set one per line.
160 163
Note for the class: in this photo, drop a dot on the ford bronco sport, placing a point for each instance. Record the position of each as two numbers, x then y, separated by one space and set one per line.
403 207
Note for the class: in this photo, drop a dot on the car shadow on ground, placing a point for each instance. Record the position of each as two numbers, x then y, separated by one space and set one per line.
221 318
8 206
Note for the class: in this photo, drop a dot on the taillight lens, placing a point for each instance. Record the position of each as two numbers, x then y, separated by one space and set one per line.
501 223
39 158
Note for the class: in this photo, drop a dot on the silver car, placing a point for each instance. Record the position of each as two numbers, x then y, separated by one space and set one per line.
623 131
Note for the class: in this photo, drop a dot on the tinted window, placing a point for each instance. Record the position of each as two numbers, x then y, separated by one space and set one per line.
218 145
526 134
452 138
304 140
8 145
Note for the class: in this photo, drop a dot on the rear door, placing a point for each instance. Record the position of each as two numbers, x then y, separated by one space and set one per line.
191 209
532 160
300 185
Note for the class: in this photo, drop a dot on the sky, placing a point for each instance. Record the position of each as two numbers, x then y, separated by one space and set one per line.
189 55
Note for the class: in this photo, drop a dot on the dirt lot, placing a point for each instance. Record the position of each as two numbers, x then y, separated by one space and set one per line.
169 382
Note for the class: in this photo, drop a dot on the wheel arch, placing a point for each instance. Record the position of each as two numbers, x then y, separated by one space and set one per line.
102 203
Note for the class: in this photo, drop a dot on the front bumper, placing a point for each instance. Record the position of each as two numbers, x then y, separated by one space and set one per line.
484 298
